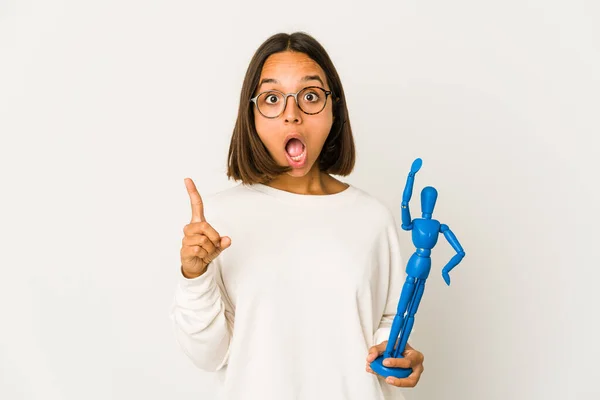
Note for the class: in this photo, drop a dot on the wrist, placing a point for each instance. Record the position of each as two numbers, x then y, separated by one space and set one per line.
191 275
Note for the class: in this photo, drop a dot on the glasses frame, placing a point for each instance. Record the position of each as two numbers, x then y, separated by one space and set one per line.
295 96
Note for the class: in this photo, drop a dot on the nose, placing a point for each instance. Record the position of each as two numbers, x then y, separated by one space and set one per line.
292 113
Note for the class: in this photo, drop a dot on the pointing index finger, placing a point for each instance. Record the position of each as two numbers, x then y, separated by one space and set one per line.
195 200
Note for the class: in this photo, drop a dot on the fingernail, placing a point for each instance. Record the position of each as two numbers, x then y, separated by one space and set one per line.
389 380
386 362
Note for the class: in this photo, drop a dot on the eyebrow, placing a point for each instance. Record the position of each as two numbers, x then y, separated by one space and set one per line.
305 79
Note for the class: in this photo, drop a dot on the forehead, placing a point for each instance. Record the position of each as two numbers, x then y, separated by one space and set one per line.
290 65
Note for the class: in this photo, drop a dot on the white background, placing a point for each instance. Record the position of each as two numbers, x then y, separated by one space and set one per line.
106 106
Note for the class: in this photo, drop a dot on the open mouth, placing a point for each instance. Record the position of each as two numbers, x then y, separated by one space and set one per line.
295 151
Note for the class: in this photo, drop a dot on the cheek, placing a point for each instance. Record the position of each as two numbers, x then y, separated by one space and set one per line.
320 127
327 117
267 131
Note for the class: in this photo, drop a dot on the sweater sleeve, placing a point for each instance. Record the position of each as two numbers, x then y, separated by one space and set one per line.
203 318
394 273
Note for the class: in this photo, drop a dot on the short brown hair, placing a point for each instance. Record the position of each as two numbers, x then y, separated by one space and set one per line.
249 160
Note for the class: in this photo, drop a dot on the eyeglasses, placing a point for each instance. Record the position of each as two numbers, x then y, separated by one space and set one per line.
310 100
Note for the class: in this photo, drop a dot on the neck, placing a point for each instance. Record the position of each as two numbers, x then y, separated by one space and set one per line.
314 182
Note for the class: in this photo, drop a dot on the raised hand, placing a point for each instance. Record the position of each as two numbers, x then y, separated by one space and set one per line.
408 188
416 166
201 242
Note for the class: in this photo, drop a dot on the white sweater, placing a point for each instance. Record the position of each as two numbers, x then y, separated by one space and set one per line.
290 309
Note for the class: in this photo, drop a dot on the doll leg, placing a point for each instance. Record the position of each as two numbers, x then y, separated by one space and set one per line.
410 319
405 297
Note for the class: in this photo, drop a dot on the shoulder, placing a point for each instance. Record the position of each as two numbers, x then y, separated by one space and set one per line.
226 195
373 207
222 201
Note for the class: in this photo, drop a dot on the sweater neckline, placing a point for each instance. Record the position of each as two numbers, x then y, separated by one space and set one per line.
308 199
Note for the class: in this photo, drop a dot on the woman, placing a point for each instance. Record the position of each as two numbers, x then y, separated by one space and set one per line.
306 283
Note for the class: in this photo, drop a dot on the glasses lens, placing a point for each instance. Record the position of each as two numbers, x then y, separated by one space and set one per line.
312 100
270 104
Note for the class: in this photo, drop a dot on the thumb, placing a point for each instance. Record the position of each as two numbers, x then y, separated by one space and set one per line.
225 242
376 351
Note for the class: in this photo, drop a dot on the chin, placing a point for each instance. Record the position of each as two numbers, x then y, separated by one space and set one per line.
296 173
300 172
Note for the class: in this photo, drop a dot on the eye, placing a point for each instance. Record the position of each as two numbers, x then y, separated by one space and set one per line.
271 98
311 97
